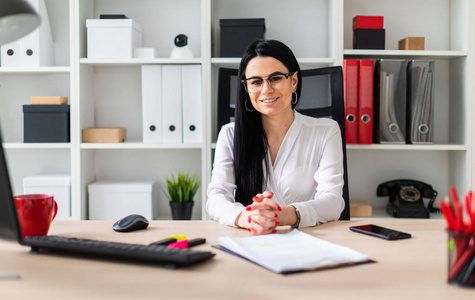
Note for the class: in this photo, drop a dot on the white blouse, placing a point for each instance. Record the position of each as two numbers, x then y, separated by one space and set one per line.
307 173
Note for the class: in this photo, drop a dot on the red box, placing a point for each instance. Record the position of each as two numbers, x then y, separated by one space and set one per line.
368 22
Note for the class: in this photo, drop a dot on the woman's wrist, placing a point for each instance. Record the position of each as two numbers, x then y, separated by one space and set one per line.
241 220
289 215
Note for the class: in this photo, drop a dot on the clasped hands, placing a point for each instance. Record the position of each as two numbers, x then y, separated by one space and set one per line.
264 215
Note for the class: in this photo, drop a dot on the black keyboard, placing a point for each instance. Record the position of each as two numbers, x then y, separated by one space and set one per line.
170 257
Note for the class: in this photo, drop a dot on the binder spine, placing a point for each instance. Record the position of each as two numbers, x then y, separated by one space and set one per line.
192 104
350 81
420 102
172 104
365 109
152 104
37 48
10 54
390 101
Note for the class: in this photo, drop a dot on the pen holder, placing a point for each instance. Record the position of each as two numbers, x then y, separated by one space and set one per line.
461 251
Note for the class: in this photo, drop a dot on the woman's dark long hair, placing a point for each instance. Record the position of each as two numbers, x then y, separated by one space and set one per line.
250 142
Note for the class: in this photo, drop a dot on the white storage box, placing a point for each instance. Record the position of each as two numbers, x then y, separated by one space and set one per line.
113 200
112 38
58 185
145 52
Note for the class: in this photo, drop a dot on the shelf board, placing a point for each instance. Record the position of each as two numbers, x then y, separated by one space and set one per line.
234 61
431 147
138 146
34 70
405 147
9 145
138 61
406 53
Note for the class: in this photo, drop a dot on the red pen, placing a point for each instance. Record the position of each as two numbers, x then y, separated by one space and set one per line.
187 243
458 210
468 224
449 214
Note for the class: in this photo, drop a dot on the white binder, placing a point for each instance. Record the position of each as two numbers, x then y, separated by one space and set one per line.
192 111
152 103
10 54
171 104
37 48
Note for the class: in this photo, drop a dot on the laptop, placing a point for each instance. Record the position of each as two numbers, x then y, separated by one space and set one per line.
10 230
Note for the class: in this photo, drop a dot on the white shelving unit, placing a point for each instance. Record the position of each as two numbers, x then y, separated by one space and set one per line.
18 84
448 37
107 92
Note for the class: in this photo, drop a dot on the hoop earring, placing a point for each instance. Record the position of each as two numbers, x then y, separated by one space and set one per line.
296 98
245 106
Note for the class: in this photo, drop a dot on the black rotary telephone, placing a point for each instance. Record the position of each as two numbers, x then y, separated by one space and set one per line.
406 198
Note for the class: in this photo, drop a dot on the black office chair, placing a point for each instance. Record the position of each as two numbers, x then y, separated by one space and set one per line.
322 97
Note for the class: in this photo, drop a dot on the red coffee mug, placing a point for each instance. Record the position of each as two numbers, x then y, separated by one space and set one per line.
35 213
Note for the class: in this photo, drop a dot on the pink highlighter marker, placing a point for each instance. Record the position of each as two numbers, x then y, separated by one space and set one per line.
187 243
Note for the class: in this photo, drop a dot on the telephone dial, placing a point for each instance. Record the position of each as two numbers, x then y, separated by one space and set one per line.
406 198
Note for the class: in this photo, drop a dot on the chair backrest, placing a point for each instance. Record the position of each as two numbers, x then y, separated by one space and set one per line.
322 97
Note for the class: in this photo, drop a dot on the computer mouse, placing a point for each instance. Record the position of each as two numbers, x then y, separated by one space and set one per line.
130 223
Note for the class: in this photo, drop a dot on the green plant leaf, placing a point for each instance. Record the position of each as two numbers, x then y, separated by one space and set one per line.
181 188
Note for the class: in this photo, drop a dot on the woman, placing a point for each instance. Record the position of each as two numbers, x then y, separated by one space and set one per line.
274 166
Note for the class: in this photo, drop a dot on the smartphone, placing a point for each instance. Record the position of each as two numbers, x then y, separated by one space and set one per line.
381 232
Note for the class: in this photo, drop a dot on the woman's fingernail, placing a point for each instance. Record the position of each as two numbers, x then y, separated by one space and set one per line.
276 216
249 219
279 208
248 208
274 231
255 198
277 223
249 229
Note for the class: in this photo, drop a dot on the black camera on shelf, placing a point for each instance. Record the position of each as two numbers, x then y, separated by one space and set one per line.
181 49
181 40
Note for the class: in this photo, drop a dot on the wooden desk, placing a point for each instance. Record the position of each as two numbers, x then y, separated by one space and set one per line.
406 269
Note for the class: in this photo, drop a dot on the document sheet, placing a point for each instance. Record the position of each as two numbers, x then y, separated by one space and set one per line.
291 252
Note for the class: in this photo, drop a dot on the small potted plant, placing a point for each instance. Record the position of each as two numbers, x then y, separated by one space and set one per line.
181 191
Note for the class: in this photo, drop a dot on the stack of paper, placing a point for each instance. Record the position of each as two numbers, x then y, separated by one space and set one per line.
291 252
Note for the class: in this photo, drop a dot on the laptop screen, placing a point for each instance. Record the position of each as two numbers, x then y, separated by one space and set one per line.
9 228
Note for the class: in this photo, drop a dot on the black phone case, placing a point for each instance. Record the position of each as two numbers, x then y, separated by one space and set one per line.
393 234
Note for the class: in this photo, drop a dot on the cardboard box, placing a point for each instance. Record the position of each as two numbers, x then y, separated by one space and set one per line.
360 208
104 135
112 38
237 34
46 124
113 200
412 43
51 100
58 185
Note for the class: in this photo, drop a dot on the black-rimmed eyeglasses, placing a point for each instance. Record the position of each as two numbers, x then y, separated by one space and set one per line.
277 81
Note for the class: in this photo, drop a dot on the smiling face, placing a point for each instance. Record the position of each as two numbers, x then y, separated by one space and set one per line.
271 102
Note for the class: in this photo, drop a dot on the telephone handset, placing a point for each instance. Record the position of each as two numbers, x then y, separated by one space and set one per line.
406 198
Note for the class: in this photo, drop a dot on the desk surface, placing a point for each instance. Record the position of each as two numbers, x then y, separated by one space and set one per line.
415 268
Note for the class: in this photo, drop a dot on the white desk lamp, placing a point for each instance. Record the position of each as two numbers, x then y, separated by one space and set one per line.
17 19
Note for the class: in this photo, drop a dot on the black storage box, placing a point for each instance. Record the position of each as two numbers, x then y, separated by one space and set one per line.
237 34
46 124
369 39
